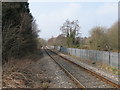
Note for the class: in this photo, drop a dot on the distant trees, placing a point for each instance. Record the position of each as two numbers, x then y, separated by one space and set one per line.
60 40
41 42
104 39
19 36
51 41
71 30
112 35
101 38
98 39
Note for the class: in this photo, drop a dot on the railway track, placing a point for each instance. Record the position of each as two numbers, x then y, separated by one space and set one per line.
81 76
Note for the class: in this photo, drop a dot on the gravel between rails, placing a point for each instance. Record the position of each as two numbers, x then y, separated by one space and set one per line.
88 80
55 74
95 68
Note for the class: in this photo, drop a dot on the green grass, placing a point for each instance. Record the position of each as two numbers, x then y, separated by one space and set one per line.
45 85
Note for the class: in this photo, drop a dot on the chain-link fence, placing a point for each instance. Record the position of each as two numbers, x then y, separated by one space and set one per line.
110 58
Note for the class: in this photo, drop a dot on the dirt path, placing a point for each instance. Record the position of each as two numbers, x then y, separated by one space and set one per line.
39 73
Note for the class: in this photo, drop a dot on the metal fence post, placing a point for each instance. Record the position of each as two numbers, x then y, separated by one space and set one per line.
96 55
109 57
80 53
75 51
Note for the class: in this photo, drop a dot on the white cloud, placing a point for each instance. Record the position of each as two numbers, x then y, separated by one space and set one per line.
108 8
72 0
51 22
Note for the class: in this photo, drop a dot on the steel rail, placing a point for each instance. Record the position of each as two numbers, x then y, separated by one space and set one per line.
114 84
67 72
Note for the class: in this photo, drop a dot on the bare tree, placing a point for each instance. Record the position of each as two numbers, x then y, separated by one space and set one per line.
112 34
60 40
71 30
98 39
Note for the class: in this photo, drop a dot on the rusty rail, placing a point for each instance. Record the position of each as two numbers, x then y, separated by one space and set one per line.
114 84
68 73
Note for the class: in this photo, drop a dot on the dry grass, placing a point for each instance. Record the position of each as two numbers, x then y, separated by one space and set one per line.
23 74
111 69
100 65
13 75
45 85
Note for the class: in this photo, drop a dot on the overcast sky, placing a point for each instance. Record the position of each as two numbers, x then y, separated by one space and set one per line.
50 16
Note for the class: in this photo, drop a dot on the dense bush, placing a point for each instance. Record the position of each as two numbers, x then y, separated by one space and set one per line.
18 34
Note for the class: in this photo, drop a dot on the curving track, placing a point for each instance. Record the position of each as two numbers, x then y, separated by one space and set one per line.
81 76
